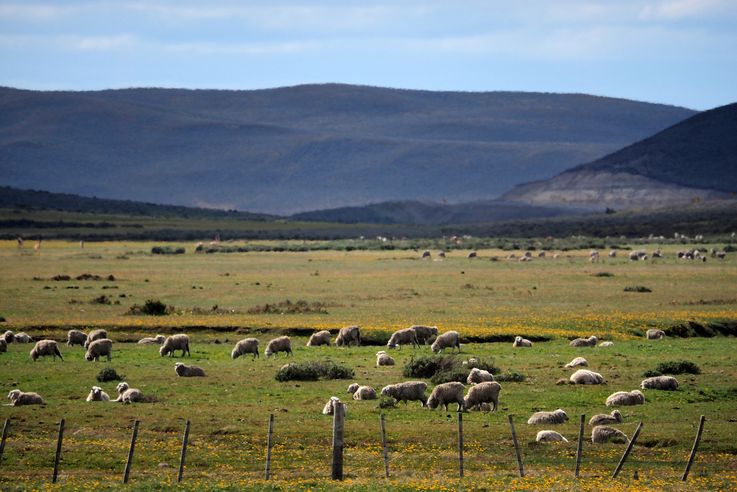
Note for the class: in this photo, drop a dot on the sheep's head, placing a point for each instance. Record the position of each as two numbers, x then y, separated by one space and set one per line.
386 391
34 354
89 356
562 414
432 402
13 395
353 388
617 415
122 387
164 350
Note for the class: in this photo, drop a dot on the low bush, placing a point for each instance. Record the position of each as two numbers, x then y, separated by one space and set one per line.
637 288
103 299
443 368
387 402
289 307
312 371
678 367
152 307
167 250
510 377
109 374
603 274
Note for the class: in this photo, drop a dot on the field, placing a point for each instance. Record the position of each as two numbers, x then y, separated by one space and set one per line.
220 298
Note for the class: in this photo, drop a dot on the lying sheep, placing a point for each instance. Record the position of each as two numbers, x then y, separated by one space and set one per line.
406 336
279 344
99 348
384 359
549 436
175 342
606 344
479 376
521 342
22 338
319 338
486 392
184 371
96 394
45 348
158 340
471 254
9 337
654 334
127 394
363 393
407 391
353 387
329 408
95 335
668 383
348 335
76 337
555 417
425 334
584 342
446 393
603 419
584 376
625 398
578 361
602 433
18 398
449 339
245 346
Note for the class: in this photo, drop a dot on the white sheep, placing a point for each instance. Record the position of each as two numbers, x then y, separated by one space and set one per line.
625 398
613 253
126 394
384 359
319 338
604 419
549 436
407 336
18 398
425 334
185 371
654 334
99 348
353 387
479 376
472 254
362 392
556 417
45 348
606 344
245 346
9 337
278 344
446 393
668 383
521 342
584 376
97 394
348 335
426 253
22 338
76 337
406 391
584 342
158 340
578 361
329 408
486 392
602 433
179 341
95 335
449 339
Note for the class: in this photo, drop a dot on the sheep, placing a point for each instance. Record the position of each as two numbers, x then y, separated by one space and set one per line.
556 417
578 361
479 376
18 398
472 254
603 419
76 337
348 335
654 334
158 339
384 359
425 334
126 394
625 398
353 387
319 338
584 376
486 392
94 335
185 371
584 342
98 348
407 336
279 344
602 433
3 345
668 383
9 337
426 254
45 348
606 344
441 254
364 393
329 408
22 338
97 394
245 346
446 393
613 253
549 436
448 339
406 391
179 341
521 342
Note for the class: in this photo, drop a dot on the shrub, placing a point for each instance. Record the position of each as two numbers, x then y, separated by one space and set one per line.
729 248
167 250
387 402
152 307
510 377
651 373
312 371
678 367
443 368
604 274
109 374
289 307
103 299
637 288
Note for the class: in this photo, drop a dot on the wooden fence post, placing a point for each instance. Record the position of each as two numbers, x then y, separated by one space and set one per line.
338 419
516 446
131 450
693 450
460 444
6 428
627 451
383 445
269 445
57 457
183 456
580 445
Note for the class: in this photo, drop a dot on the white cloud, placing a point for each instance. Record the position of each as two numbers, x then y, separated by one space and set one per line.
209 48
687 9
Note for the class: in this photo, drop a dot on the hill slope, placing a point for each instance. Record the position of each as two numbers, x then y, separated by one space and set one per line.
306 147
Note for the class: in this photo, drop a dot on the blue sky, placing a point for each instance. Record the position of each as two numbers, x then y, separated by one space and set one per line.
681 52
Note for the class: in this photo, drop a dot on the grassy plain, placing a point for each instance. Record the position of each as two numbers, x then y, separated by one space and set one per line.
380 291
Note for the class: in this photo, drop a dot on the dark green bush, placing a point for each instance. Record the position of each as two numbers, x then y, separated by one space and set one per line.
443 368
109 374
152 307
603 274
312 371
678 367
637 288
510 377
651 373
167 250
103 299
387 402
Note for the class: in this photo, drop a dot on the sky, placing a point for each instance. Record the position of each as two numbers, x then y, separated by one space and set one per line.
681 52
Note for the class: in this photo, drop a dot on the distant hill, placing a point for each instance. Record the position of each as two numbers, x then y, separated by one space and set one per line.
692 161
308 147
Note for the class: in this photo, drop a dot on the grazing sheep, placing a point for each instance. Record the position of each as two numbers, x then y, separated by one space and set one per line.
584 376
348 335
98 348
127 394
18 398
486 392
407 391
555 417
521 342
578 361
3 345
654 334
448 339
95 335
185 371
76 337
158 339
472 254
279 344
245 346
606 344
446 393
441 254
613 253
45 348
426 254
329 408
603 419
179 341
22 338
602 433
319 338
96 394
668 383
406 336
584 342
625 398
549 436
9 337
362 392
384 359
425 334
479 376
353 387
